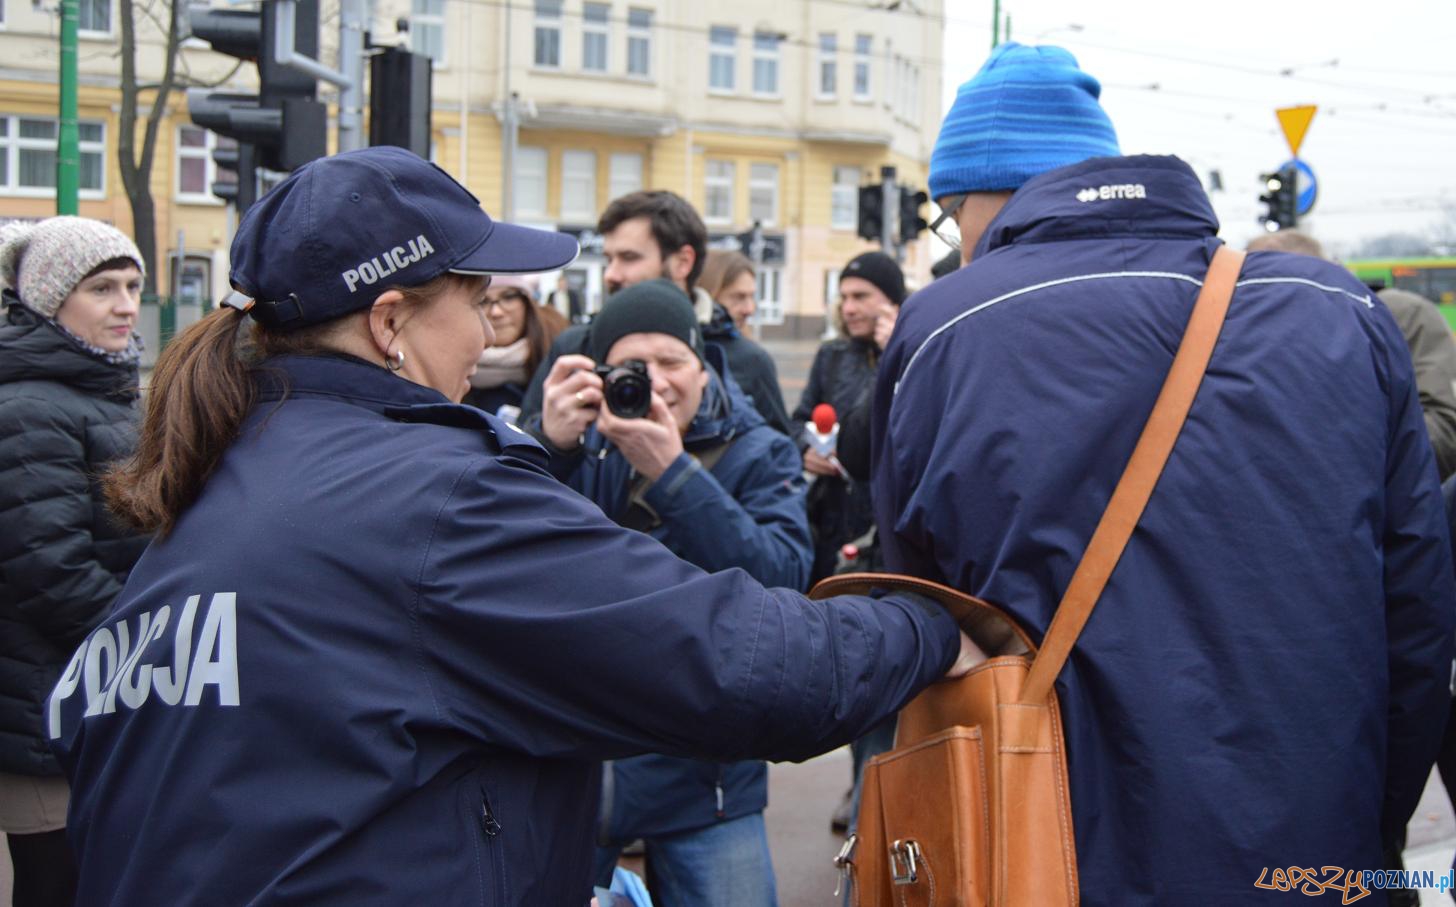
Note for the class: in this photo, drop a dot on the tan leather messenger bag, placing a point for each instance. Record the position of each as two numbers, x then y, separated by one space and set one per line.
972 805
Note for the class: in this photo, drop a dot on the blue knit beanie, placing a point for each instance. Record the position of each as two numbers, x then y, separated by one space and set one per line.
1029 110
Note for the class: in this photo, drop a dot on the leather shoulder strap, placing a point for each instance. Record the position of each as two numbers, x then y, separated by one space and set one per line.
1141 475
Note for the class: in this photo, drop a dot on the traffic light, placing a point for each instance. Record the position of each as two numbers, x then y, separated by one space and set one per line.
284 123
241 189
399 100
1280 198
911 223
871 212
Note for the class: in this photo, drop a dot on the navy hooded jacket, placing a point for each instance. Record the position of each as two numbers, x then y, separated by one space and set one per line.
1264 681
380 657
747 511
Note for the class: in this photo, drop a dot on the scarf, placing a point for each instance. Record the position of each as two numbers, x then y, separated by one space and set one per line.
500 365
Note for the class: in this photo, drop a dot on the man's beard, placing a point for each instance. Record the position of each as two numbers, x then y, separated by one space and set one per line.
661 273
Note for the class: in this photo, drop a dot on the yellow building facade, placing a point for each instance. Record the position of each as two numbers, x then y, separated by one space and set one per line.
756 111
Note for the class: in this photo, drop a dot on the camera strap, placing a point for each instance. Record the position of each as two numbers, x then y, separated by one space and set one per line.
639 514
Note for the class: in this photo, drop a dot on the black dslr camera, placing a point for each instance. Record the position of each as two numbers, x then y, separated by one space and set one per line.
627 388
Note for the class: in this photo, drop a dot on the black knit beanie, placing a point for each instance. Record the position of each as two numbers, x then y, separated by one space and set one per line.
880 270
651 307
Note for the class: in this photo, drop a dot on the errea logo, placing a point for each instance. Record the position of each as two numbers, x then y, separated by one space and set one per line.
1104 193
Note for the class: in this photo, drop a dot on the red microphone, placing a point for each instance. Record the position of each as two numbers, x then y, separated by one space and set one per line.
824 418
823 430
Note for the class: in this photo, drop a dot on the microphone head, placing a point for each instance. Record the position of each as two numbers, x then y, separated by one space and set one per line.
824 418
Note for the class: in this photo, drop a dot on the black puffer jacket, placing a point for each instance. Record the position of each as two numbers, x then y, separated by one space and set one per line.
752 367
64 415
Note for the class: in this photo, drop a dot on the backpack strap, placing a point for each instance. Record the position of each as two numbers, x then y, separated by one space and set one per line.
1141 475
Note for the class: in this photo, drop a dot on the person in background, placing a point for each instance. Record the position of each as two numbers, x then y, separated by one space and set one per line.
378 651
1426 333
566 300
652 234
1265 677
68 393
704 475
522 337
729 279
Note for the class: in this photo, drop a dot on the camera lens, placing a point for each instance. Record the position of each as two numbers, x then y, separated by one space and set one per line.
628 393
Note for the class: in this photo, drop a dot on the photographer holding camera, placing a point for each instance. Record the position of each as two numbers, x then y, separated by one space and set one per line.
653 429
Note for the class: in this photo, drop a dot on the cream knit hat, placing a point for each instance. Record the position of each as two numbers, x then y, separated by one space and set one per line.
43 262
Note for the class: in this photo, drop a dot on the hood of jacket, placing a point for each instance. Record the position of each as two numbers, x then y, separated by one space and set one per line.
1141 195
32 348
720 326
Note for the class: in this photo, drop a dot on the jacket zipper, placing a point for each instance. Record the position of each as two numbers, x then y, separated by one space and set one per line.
495 855
718 790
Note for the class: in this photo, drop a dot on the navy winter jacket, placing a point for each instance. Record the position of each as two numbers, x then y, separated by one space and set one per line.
747 511
380 658
1264 681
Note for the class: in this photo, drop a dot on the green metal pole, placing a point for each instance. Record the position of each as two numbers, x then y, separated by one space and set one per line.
1008 27
995 23
68 152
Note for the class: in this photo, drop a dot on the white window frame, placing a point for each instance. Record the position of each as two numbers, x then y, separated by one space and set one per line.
428 22
596 32
641 35
624 173
107 32
759 181
769 306
890 58
11 145
828 68
546 23
767 56
722 181
531 163
719 52
579 185
201 152
863 53
844 197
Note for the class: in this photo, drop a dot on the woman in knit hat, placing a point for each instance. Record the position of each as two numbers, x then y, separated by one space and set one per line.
68 391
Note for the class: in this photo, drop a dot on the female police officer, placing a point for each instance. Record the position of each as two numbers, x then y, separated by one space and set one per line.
377 650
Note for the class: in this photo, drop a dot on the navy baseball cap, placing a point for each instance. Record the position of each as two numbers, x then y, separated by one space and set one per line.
340 230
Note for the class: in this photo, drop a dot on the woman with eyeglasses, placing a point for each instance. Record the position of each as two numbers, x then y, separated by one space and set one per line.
522 337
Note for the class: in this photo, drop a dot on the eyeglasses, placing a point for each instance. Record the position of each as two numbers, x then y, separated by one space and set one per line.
508 298
946 228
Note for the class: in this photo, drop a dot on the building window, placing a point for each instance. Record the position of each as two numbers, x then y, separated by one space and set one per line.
828 64
579 185
722 58
28 156
862 46
94 16
595 29
639 42
765 63
844 202
763 193
624 174
548 33
196 170
530 182
427 29
770 302
718 197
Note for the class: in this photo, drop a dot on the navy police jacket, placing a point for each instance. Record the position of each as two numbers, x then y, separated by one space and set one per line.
380 657
746 511
1264 681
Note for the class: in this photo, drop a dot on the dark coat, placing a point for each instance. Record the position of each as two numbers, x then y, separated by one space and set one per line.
407 648
747 511
752 367
65 415
1265 679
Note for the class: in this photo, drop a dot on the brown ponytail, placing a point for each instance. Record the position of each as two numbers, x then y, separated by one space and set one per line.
201 390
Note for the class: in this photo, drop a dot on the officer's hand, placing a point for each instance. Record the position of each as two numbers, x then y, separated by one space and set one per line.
885 324
970 656
650 444
819 464
572 397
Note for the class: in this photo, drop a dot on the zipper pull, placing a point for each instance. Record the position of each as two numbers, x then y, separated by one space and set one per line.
487 819
718 789
843 862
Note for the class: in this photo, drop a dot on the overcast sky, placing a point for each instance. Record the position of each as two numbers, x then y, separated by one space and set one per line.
1383 144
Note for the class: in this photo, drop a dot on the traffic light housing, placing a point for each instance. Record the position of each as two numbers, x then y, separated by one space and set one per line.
871 213
1280 198
284 122
400 97
911 223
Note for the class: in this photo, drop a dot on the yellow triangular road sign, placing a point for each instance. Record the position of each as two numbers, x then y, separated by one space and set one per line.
1295 122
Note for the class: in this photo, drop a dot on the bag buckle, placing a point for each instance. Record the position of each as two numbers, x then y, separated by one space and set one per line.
844 861
903 855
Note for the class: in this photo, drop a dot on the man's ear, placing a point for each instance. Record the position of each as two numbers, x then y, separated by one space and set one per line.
386 317
680 263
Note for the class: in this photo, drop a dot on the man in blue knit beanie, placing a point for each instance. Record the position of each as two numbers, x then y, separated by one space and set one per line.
1264 679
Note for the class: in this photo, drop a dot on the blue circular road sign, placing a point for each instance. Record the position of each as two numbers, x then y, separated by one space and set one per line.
1307 186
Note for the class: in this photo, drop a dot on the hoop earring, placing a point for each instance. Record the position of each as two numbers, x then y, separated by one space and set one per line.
394 361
